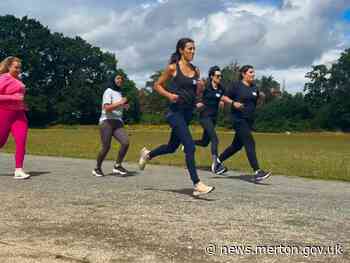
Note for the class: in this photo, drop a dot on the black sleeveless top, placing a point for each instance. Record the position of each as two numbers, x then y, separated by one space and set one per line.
185 87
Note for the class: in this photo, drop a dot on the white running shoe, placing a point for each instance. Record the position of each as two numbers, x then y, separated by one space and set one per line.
20 174
144 157
202 189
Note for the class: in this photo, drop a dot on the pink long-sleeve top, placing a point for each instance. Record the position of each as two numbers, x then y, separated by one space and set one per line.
9 86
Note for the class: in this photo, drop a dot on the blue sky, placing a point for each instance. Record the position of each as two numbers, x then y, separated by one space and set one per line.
346 15
282 38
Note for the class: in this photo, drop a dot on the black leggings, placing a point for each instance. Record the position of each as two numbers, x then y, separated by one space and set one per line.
109 129
243 137
180 133
209 134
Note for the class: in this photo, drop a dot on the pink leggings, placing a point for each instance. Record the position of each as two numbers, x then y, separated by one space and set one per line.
15 122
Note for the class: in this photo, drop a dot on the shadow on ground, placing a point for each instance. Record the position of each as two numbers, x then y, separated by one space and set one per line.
242 177
131 173
183 191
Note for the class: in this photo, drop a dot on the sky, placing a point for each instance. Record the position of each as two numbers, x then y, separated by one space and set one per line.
282 38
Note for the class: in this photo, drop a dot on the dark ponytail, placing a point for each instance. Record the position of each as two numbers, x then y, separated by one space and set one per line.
243 70
176 56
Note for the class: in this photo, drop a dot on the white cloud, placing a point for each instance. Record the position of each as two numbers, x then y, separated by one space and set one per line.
283 40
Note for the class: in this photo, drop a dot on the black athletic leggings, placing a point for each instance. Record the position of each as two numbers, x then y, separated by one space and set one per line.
180 133
209 134
243 137
112 128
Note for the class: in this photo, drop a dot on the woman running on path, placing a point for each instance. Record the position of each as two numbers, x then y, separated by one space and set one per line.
111 125
243 97
182 92
12 111
209 107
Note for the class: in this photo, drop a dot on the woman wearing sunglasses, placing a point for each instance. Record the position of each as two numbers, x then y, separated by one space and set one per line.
209 108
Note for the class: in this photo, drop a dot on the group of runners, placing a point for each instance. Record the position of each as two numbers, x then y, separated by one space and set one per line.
186 93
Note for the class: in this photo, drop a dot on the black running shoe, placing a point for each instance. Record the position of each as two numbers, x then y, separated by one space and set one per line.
261 175
118 169
218 168
97 172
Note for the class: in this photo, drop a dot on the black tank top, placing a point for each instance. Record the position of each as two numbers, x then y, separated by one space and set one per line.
185 87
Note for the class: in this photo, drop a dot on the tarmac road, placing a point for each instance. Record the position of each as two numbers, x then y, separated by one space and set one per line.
63 214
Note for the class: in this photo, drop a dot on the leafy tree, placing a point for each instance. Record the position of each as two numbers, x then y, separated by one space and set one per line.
268 85
64 76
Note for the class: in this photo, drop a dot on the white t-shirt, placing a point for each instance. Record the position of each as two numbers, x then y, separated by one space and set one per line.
110 96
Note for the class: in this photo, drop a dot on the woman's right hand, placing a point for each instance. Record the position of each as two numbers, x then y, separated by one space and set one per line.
123 101
238 105
200 105
173 97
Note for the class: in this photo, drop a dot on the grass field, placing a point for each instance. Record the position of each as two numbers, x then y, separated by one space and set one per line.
313 155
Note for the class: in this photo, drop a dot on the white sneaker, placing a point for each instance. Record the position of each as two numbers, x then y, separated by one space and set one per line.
144 157
20 175
201 189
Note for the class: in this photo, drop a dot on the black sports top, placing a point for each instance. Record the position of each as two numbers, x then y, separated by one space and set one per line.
185 87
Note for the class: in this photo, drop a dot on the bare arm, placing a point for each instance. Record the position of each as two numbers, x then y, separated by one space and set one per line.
199 90
233 103
160 87
119 104
200 84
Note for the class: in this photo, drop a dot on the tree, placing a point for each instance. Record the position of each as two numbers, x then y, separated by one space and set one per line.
268 85
64 76
319 89
154 105
230 73
340 102
328 92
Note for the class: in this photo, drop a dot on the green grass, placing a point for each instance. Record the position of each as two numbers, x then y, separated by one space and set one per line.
312 155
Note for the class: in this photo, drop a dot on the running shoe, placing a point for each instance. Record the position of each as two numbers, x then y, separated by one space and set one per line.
218 168
97 172
119 169
261 175
144 157
21 175
202 189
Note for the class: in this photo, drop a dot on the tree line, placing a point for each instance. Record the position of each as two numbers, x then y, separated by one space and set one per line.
65 79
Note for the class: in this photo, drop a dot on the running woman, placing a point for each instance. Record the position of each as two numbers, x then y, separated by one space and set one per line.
209 107
243 97
12 111
112 125
181 92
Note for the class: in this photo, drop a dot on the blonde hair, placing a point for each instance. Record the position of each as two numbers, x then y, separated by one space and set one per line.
6 63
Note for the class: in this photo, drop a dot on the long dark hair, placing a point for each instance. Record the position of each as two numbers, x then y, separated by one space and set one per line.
181 44
243 70
111 82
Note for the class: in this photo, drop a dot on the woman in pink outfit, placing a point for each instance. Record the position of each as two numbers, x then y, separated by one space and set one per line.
12 111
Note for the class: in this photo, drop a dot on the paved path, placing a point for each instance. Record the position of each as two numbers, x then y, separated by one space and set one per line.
63 214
